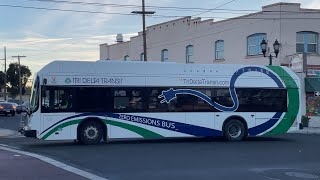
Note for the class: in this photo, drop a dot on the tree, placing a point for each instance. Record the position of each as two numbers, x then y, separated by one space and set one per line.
13 78
2 76
28 89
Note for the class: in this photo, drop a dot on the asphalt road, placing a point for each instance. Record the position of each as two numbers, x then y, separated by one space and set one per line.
10 122
291 156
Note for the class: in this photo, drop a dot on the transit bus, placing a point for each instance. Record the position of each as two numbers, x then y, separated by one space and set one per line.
108 100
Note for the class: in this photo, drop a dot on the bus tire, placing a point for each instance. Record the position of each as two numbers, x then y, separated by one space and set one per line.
90 132
234 130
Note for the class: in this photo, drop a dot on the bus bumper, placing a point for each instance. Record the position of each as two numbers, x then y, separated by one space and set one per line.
30 133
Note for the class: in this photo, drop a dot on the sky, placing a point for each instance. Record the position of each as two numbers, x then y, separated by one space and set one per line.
44 35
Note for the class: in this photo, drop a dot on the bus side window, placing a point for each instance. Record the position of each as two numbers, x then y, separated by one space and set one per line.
153 102
45 99
121 101
62 99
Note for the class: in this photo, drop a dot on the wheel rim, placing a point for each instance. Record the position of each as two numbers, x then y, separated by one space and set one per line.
234 130
91 132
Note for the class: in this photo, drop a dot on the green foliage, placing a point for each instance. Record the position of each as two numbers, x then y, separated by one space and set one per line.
305 121
28 89
13 77
2 76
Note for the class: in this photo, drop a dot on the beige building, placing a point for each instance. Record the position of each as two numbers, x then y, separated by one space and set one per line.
234 41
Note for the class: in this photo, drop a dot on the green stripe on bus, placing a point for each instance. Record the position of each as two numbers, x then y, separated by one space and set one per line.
60 126
141 131
293 105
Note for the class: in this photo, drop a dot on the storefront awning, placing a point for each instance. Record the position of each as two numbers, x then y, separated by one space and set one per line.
312 84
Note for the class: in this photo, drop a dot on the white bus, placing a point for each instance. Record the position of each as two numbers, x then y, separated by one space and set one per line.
105 100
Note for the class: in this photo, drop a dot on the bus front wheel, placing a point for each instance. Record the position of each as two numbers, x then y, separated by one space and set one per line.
234 130
90 132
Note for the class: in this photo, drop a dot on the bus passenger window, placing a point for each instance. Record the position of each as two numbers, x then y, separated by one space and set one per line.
45 100
136 103
62 99
56 100
121 103
129 100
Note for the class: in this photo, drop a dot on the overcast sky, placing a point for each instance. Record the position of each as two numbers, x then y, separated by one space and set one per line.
44 35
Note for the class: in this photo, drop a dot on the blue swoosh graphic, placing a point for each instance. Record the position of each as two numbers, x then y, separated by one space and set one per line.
170 94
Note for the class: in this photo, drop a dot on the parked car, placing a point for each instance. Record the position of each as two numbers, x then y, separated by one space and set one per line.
7 108
17 101
14 105
22 108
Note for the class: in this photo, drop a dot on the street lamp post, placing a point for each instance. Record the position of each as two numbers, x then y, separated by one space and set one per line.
264 47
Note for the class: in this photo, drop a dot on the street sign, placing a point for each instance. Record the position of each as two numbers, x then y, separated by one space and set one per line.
317 93
296 63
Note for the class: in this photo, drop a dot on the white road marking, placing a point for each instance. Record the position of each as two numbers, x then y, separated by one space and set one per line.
54 162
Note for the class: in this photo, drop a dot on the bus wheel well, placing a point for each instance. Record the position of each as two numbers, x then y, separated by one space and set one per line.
236 118
90 119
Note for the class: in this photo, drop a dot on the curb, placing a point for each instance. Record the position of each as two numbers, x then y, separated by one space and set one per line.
307 131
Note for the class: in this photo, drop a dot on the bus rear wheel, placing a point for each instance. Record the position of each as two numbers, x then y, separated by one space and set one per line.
234 130
90 132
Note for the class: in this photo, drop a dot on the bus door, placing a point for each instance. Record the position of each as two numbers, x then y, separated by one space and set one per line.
56 105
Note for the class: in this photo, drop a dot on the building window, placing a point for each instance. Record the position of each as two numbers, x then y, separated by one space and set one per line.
253 43
189 54
142 57
164 55
126 58
219 49
307 42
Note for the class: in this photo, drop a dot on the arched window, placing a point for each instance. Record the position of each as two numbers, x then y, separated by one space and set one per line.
189 54
253 43
142 57
307 42
164 55
219 49
126 57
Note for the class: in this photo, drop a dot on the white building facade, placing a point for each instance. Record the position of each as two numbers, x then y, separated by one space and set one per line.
233 41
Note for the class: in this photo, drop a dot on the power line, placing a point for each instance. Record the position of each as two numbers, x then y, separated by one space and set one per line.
57 9
138 6
156 16
214 8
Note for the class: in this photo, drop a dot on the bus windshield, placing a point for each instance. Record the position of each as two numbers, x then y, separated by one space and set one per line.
34 99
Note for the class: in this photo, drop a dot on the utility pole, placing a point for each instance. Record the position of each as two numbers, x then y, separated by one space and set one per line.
20 88
144 12
5 75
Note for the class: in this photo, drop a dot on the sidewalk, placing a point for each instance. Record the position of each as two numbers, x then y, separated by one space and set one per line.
6 133
308 130
18 166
